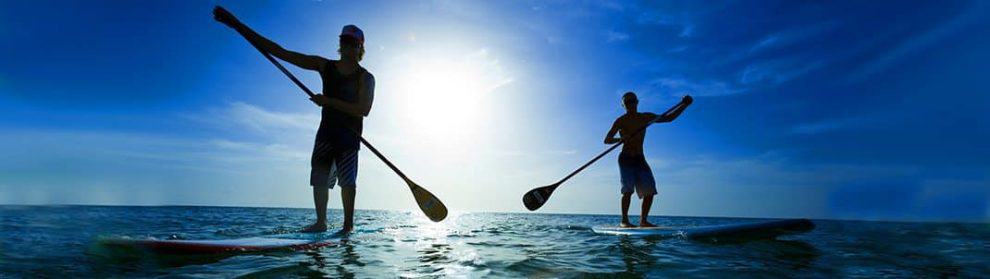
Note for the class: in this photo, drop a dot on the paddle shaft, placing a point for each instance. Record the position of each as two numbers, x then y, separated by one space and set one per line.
616 145
310 93
284 71
387 162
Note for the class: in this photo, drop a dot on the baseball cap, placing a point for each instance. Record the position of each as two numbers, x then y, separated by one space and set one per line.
354 32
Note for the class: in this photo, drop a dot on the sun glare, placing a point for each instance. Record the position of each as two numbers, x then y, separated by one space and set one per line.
444 94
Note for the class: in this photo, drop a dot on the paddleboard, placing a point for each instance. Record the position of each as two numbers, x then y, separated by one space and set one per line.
767 229
217 246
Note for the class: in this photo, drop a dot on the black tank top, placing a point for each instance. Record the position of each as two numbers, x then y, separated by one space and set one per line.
340 129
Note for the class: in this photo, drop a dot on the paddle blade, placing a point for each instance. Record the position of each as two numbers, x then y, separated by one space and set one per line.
534 199
430 204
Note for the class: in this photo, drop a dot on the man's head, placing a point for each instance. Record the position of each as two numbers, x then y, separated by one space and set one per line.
629 101
351 43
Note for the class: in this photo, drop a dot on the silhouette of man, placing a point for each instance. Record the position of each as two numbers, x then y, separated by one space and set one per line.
634 171
348 91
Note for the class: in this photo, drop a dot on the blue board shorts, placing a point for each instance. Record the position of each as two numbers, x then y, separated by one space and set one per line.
333 166
636 174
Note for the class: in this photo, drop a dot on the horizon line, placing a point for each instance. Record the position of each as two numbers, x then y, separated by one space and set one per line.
957 221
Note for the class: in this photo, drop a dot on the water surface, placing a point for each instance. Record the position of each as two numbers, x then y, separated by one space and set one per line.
55 241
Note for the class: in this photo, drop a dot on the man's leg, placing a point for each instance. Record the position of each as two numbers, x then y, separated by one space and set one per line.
646 189
348 186
647 203
627 181
320 197
347 196
626 197
319 179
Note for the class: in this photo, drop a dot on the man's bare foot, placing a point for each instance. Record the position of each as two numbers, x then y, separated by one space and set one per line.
626 224
345 231
317 227
645 224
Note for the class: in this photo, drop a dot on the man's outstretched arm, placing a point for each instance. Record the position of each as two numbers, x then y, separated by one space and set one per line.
309 62
676 110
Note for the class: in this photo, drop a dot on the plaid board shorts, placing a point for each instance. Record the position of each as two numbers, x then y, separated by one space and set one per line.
333 166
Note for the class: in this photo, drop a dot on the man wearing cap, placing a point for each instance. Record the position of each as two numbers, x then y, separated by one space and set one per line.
348 91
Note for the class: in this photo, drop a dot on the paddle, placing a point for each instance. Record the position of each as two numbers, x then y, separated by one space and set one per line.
534 199
430 204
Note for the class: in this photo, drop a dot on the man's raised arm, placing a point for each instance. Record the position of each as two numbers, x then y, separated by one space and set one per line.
309 62
676 110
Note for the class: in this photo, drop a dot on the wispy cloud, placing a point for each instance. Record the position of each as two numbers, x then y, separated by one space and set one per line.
687 31
103 150
786 65
676 87
914 44
101 167
168 167
833 124
777 71
491 69
677 49
765 42
265 121
794 35
611 5
820 127
241 116
284 135
270 151
614 36
663 19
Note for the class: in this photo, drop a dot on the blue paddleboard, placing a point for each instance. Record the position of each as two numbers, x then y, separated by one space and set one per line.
767 229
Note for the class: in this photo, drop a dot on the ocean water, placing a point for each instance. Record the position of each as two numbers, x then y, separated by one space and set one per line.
63 241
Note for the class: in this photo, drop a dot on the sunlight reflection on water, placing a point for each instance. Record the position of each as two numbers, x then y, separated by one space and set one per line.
59 241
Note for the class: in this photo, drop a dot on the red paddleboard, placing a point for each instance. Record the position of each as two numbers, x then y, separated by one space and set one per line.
191 247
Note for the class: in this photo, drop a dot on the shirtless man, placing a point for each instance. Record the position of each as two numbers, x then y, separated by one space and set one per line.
634 170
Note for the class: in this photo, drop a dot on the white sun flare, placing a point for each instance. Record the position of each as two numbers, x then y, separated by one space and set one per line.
444 94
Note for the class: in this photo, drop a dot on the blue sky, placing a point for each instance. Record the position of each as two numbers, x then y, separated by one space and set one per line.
843 109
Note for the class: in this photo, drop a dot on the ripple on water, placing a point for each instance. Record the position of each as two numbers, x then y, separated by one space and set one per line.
61 242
